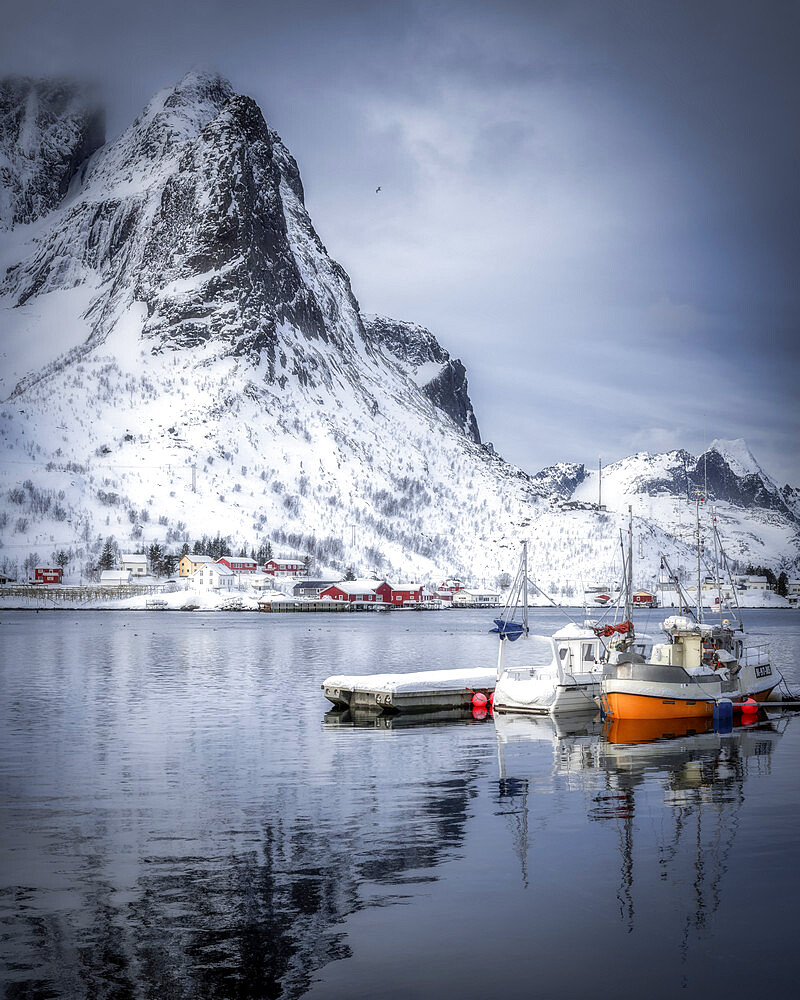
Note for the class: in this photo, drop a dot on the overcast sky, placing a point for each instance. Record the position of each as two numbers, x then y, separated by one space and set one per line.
593 203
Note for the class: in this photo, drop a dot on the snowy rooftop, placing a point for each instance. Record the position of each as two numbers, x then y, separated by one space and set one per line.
423 680
220 568
358 586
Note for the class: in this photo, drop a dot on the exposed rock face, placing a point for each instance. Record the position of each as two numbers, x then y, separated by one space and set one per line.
723 477
755 489
563 478
441 378
48 128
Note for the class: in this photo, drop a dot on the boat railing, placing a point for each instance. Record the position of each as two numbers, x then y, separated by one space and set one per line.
755 655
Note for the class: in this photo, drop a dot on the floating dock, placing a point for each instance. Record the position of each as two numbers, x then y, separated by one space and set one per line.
423 691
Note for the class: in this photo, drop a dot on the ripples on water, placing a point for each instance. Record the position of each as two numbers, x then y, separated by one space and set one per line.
181 817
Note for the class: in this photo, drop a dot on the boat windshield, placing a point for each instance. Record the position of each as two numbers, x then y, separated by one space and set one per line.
537 651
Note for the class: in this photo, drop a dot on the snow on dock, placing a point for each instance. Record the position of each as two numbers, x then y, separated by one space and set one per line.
422 691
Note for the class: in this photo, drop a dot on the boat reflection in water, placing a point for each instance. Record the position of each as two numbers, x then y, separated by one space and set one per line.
353 718
675 786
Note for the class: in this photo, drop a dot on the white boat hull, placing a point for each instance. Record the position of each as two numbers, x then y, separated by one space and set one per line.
545 695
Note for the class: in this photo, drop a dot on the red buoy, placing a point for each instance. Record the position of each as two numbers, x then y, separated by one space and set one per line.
479 713
749 705
491 700
478 700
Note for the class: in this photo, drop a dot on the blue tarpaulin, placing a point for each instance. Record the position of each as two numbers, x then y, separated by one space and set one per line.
508 630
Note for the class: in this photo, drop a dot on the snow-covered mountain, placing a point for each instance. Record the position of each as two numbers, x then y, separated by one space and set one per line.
47 129
181 356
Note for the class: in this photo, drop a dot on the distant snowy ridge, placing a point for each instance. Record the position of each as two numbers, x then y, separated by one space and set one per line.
183 357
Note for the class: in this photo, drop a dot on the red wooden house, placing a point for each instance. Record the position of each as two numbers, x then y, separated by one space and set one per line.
48 574
406 593
239 564
370 591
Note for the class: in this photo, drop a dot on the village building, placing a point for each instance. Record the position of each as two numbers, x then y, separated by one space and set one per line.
644 599
444 595
311 588
192 561
451 586
136 562
751 583
405 593
367 591
239 564
285 567
475 599
48 574
115 578
213 576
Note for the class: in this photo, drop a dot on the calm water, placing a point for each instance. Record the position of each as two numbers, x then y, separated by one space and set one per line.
179 818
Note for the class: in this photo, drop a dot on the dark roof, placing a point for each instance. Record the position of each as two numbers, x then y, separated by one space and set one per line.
305 584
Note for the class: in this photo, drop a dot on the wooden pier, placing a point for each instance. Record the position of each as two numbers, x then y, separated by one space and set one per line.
422 691
300 605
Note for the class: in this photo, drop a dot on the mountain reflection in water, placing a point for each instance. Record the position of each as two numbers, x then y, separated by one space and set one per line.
180 818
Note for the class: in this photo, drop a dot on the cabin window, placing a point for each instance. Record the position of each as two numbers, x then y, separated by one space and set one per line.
563 652
588 652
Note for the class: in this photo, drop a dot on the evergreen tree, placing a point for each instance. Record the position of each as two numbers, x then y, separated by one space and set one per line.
108 557
169 563
61 559
184 549
155 555
782 586
349 575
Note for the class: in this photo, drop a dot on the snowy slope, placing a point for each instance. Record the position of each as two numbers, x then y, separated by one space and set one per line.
177 320
754 519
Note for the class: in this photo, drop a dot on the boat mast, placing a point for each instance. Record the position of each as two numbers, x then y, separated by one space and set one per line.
716 561
629 581
525 585
697 538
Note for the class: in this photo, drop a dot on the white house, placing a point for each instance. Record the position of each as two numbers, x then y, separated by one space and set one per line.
192 561
752 583
475 599
136 562
285 567
213 576
115 578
